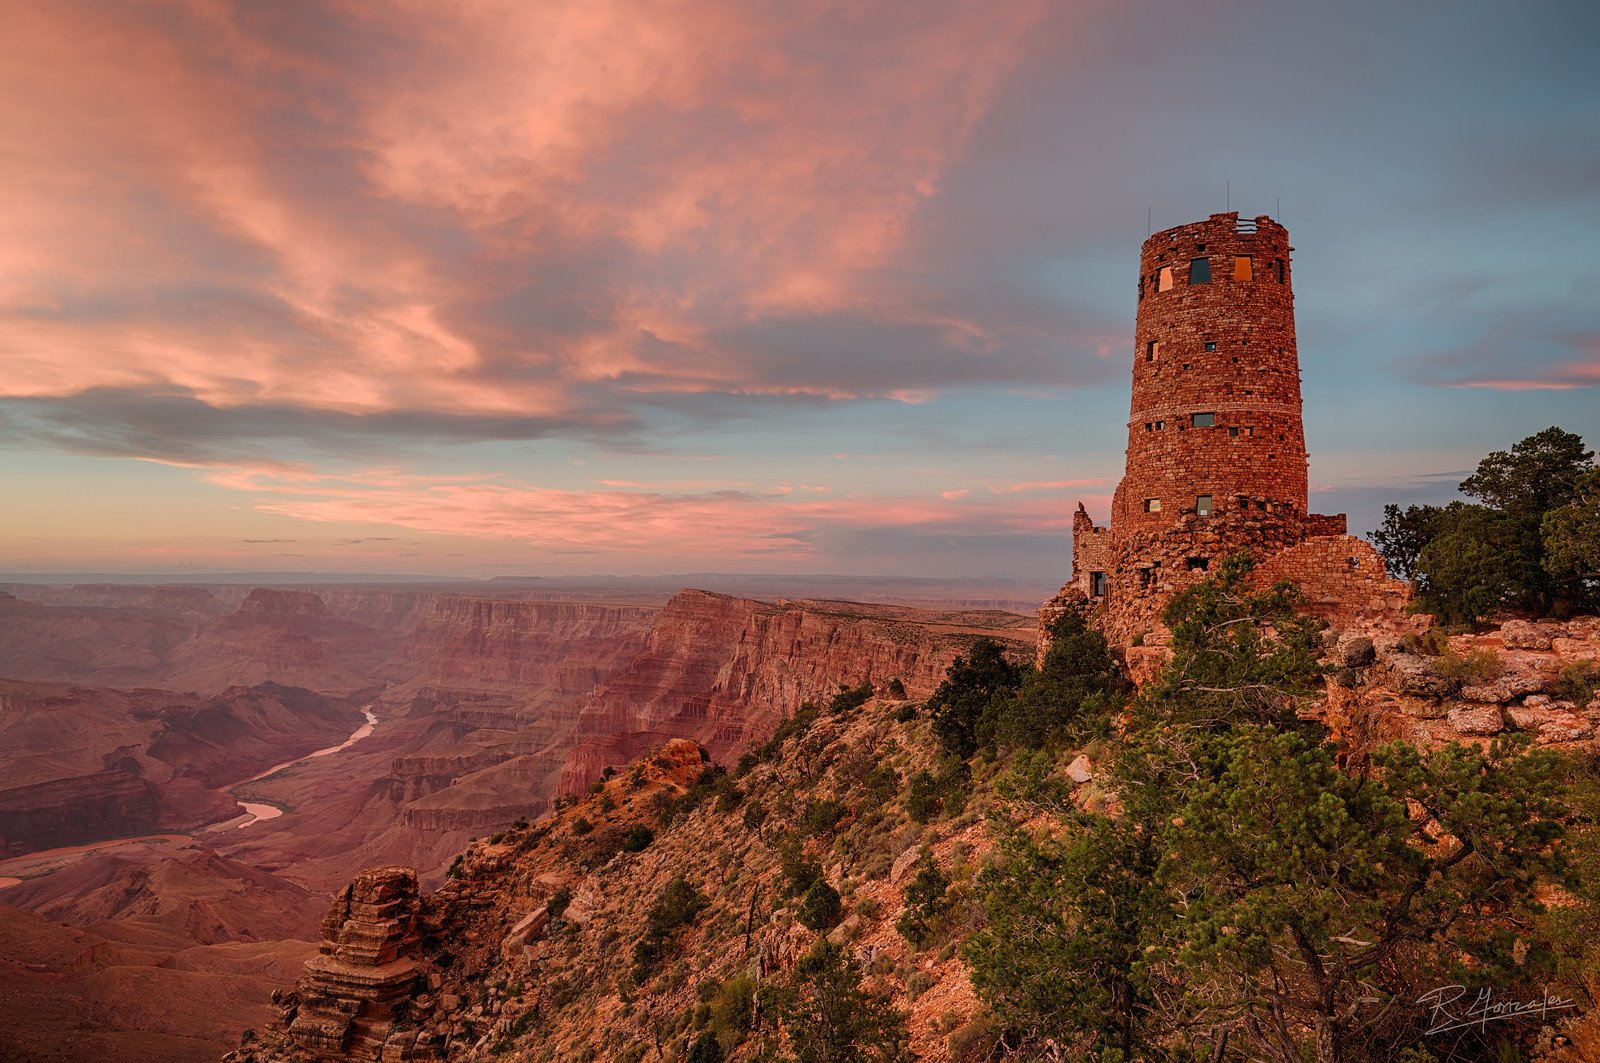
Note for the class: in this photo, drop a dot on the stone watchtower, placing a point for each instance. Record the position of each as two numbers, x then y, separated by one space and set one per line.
1216 459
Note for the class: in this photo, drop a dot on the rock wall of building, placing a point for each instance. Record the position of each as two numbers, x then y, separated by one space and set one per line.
1340 578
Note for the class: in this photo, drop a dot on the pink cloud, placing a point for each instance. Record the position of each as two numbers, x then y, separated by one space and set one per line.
1046 485
775 523
531 210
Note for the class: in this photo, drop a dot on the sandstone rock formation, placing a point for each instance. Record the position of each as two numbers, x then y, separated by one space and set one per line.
284 636
1541 680
364 968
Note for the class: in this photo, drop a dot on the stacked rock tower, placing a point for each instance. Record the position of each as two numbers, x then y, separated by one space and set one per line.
1216 458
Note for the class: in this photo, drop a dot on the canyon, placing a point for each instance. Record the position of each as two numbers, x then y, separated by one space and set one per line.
135 721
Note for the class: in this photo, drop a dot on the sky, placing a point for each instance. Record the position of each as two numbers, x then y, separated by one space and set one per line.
480 289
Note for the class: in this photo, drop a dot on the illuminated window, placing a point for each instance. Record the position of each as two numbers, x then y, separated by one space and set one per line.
1165 283
1205 420
1202 505
1199 271
1152 505
1243 270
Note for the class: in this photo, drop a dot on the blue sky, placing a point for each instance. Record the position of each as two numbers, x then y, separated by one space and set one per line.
815 287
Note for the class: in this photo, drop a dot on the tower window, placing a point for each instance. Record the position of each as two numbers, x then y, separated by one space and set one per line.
1186 365
1199 271
1152 351
1249 430
1165 283
1205 420
1160 425
1277 266
1243 270
1097 584
1233 430
1199 564
1211 345
1152 505
1202 505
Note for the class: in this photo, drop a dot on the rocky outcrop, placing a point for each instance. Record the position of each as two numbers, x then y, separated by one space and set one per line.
724 670
553 648
1541 679
347 1000
79 808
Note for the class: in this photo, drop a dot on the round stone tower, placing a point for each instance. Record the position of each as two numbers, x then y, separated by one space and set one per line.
1216 456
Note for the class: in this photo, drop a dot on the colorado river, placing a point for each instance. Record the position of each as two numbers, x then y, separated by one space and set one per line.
258 812
49 861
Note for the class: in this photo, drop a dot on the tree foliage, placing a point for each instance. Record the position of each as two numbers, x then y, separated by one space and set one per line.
1073 694
1249 896
971 685
1533 542
828 1016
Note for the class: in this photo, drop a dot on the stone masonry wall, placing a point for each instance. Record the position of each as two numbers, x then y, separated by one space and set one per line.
1340 578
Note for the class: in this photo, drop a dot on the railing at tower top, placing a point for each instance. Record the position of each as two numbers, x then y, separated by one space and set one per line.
1244 225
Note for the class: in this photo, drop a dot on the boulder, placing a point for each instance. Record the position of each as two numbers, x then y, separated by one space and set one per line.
1504 688
1415 675
1523 635
1080 770
1355 651
1476 720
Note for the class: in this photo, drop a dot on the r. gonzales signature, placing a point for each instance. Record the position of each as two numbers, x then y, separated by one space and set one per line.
1453 1007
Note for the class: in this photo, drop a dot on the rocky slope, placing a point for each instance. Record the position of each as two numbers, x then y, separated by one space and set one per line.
531 950
490 968
1538 678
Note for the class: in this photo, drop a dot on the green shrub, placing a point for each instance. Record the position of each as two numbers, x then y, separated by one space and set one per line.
1429 643
581 826
924 902
822 816
819 908
1477 666
674 908
556 906
850 698
638 838
930 796
1578 682
706 1049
